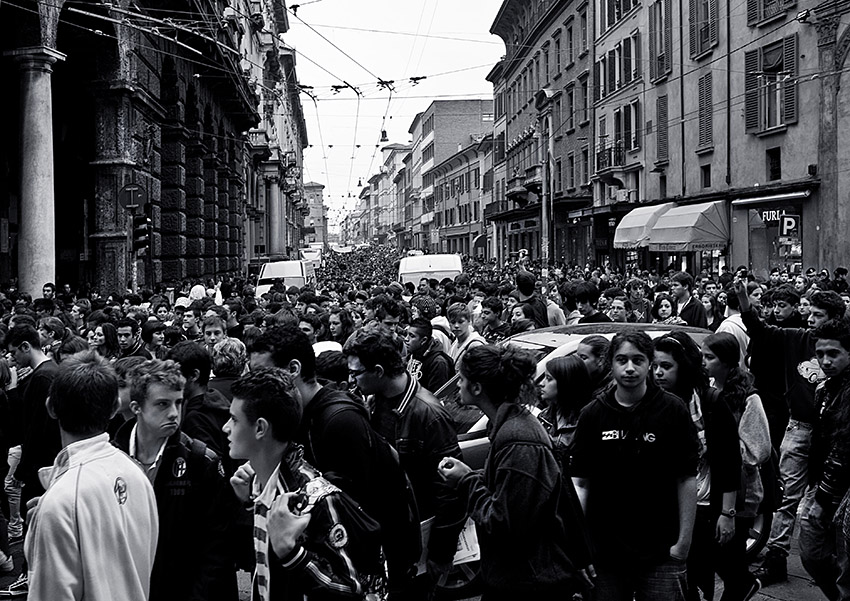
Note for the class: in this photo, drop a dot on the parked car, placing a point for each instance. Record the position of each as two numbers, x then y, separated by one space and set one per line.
546 344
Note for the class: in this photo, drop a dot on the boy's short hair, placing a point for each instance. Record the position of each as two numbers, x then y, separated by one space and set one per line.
287 343
192 356
268 393
494 303
154 371
423 326
786 294
213 321
457 311
835 329
830 301
229 357
683 278
376 346
84 394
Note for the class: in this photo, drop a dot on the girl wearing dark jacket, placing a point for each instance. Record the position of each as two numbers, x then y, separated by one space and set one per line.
565 390
520 503
677 367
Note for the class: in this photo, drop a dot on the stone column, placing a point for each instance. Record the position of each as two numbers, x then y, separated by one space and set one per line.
833 215
37 239
274 204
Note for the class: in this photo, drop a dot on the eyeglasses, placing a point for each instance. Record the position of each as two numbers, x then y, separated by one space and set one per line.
357 372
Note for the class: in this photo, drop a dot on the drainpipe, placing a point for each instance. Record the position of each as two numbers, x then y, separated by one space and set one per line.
682 99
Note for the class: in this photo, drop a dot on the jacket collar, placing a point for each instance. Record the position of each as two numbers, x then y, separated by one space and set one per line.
72 455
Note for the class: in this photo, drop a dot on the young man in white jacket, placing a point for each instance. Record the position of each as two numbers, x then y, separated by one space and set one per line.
93 534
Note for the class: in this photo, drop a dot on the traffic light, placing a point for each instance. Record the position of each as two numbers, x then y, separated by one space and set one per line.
141 232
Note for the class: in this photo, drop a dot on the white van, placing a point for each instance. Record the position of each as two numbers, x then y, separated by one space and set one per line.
293 273
312 254
413 269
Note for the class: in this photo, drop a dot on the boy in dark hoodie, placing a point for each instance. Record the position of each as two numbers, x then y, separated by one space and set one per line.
634 467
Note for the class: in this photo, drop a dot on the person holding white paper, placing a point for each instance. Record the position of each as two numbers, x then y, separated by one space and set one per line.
529 526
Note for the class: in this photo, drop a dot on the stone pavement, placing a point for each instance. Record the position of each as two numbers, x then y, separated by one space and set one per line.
798 588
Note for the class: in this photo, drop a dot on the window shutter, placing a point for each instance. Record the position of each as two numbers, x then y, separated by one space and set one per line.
712 11
751 90
661 129
693 26
597 83
752 11
638 67
653 51
789 64
627 127
612 70
705 110
637 122
668 36
627 60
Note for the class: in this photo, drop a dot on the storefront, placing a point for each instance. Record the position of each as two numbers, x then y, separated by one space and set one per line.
691 238
775 228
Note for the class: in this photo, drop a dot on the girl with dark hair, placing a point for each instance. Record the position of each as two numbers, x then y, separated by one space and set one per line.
565 390
664 310
340 325
593 350
712 311
677 366
105 341
153 336
720 357
515 501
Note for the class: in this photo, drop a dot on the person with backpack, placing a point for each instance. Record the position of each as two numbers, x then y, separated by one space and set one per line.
677 367
720 357
339 441
194 559
520 502
311 540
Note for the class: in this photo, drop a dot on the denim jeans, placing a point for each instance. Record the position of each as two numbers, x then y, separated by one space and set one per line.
794 471
667 581
13 493
823 552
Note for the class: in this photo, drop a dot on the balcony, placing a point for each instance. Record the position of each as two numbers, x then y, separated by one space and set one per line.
398 227
533 180
609 156
495 208
516 188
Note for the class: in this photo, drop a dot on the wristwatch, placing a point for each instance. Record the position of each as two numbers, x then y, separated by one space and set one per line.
729 513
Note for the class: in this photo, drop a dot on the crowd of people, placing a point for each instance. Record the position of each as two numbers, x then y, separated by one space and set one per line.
159 442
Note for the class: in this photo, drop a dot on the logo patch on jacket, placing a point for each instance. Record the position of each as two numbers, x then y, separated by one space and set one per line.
810 371
337 537
179 467
120 490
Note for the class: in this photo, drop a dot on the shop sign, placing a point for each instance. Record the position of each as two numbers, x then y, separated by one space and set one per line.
789 224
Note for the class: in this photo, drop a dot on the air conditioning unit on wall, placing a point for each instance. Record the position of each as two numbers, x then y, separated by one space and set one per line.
624 195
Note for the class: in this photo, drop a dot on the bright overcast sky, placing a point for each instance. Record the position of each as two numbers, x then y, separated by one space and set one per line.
391 40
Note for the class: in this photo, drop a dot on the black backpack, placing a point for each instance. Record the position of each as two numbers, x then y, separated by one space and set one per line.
401 527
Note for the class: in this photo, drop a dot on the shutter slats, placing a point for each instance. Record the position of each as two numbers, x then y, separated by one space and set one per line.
668 36
789 64
712 10
751 90
638 67
661 127
653 51
693 26
752 11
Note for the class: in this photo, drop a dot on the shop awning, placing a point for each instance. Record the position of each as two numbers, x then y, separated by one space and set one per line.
691 228
634 229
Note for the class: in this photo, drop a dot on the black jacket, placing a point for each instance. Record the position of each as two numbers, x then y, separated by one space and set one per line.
693 313
525 548
433 368
194 559
829 457
339 442
204 417
422 432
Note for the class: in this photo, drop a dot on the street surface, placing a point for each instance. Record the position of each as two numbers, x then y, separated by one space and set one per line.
798 588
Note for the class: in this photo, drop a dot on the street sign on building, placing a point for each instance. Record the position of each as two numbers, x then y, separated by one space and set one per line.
789 225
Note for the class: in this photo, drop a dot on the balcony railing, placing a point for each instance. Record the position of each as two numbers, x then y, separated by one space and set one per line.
533 181
495 208
516 187
610 155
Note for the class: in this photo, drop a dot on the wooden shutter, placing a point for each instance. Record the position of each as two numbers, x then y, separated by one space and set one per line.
661 128
637 123
752 60
752 11
693 26
705 110
636 64
597 81
612 70
789 65
653 51
627 60
713 18
668 36
627 127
